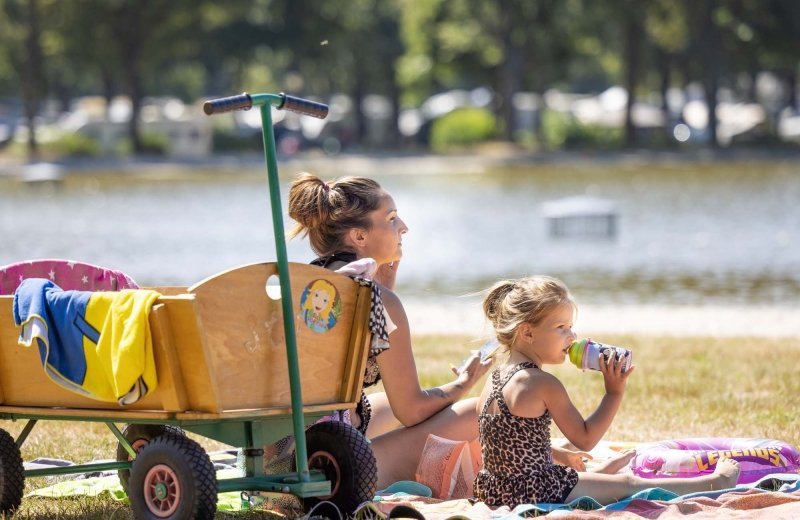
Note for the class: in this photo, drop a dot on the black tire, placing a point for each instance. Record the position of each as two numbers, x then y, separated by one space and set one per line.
139 435
173 477
12 474
343 454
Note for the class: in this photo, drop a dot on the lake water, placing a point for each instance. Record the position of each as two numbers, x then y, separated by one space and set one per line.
688 234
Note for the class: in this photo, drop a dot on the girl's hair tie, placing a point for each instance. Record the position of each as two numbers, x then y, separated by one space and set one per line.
326 187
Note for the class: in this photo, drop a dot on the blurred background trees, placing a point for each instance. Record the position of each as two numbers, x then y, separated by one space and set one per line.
660 71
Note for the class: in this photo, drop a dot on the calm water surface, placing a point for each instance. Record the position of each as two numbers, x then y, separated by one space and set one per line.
687 233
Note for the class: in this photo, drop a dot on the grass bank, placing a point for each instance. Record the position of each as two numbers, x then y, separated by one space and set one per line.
683 387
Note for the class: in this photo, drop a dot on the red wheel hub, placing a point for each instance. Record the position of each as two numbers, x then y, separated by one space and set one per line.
162 492
325 462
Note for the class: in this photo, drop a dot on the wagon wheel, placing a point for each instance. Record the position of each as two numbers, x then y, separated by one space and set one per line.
12 474
139 435
172 477
343 454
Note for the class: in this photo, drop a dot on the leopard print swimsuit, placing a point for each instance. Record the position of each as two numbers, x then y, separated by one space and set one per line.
518 466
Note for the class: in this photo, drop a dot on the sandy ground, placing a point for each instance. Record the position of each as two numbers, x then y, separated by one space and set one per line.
463 316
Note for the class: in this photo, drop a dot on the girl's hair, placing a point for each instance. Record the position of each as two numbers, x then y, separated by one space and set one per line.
325 211
510 303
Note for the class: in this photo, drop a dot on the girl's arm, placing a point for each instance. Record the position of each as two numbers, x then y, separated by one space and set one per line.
409 402
586 433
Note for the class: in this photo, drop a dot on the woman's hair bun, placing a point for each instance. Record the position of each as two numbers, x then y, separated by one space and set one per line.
308 202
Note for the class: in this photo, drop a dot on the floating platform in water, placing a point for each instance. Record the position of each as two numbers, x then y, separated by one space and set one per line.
42 173
582 216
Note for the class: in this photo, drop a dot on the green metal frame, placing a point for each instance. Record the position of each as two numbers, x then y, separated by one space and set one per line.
247 433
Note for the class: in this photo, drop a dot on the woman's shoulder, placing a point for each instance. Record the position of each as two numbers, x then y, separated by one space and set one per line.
390 298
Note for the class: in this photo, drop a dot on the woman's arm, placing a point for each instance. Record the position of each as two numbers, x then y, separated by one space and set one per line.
409 402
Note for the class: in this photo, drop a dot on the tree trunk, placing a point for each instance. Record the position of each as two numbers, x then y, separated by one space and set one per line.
791 84
711 100
135 94
33 78
359 81
633 37
665 77
711 43
510 82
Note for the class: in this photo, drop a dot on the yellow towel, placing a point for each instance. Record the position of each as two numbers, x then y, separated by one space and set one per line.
121 366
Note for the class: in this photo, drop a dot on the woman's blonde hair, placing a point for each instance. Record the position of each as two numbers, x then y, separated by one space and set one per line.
510 303
326 211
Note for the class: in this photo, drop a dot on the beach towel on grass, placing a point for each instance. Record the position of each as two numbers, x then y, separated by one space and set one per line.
772 497
96 344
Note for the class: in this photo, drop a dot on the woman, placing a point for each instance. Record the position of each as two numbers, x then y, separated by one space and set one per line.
350 219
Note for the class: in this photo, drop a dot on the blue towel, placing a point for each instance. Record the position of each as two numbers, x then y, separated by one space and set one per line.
60 344
97 344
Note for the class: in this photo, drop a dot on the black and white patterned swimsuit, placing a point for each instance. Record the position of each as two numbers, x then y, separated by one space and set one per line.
518 465
377 326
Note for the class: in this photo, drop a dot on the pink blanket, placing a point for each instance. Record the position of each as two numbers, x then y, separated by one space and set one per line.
67 274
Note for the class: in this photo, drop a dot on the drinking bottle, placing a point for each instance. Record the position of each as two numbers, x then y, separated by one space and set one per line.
585 354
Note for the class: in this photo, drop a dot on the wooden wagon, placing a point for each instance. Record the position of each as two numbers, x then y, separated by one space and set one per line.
240 357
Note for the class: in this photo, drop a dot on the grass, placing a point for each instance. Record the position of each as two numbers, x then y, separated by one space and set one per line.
682 387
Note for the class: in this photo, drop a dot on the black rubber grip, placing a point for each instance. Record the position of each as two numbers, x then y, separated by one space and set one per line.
228 104
304 106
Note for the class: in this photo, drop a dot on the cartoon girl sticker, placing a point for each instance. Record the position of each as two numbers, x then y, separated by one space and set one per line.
320 305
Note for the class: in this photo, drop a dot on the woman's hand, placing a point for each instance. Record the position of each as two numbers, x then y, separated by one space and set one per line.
386 275
614 377
473 370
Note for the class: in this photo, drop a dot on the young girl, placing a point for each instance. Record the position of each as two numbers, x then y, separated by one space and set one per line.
532 318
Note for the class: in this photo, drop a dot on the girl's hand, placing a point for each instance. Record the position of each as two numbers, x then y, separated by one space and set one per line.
473 370
571 459
614 377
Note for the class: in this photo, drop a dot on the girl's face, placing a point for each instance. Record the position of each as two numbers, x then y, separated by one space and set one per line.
384 238
552 336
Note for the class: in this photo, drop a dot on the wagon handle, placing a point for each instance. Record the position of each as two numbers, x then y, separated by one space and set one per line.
245 101
307 107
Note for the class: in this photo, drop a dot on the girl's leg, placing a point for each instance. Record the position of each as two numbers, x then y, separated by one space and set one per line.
398 451
615 464
611 488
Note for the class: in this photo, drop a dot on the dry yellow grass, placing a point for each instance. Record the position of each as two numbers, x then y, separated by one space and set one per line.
682 387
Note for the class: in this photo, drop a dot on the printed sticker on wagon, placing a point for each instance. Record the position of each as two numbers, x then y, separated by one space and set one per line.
320 305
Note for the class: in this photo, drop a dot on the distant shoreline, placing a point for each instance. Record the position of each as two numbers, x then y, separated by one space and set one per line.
402 163
462 316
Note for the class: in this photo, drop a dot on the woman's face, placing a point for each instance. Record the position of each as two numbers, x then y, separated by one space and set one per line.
384 238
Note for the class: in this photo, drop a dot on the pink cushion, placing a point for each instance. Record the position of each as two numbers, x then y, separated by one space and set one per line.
67 274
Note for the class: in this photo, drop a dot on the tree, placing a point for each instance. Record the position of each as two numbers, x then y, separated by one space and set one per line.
21 20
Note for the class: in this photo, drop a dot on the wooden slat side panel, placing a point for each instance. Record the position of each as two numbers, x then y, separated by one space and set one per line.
358 348
243 328
168 369
192 352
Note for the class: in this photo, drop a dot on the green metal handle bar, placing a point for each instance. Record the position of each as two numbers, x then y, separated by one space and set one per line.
246 101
